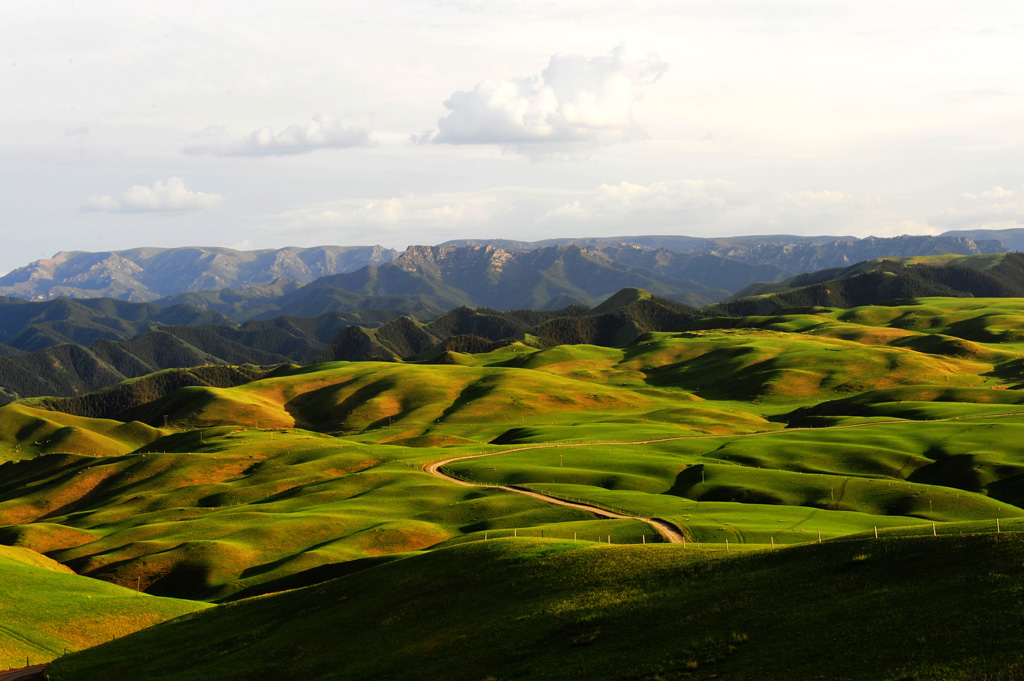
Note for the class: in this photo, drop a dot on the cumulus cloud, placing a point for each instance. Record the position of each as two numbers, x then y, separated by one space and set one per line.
172 196
679 200
323 131
994 208
714 207
576 101
709 207
78 133
439 211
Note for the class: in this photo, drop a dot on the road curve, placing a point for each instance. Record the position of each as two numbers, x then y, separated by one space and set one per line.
24 674
669 532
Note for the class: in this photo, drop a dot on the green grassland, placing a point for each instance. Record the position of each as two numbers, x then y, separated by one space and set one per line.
27 432
46 609
241 508
893 608
817 425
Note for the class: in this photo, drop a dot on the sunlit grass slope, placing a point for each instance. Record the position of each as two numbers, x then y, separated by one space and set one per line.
449 404
759 430
885 609
26 432
986 329
241 508
785 486
46 609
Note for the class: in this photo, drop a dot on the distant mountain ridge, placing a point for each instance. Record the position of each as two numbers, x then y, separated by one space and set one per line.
880 281
264 283
797 254
486 276
147 274
426 281
29 325
180 337
71 370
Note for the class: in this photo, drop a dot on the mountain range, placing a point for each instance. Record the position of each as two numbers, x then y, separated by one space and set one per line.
305 281
145 274
430 303
69 369
876 281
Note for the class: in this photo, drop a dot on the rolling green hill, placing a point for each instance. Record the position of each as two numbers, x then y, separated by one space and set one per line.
805 432
403 310
48 610
878 281
30 326
550 609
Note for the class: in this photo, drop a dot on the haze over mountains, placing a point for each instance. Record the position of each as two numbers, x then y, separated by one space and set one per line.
489 272
216 306
145 274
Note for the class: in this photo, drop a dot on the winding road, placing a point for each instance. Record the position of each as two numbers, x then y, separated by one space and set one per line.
669 532
24 674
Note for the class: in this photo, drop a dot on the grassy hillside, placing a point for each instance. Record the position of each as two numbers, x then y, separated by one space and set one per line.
388 329
48 610
26 432
315 465
886 279
551 609
819 425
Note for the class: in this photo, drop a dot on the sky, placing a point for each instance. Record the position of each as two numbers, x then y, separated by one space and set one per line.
268 124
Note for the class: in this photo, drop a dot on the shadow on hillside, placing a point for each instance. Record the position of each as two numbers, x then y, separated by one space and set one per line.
315 575
685 481
316 410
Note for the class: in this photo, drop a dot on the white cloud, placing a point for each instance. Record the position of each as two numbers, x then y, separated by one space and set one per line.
323 131
576 101
994 208
680 200
438 212
78 133
714 207
993 193
816 197
171 196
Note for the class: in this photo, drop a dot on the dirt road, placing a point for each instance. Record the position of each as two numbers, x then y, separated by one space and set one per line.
671 533
667 530
24 674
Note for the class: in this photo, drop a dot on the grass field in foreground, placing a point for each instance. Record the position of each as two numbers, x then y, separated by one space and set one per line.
878 610
45 609
319 465
318 472
242 508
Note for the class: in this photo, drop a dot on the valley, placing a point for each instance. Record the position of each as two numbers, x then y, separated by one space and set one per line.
511 341
768 462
